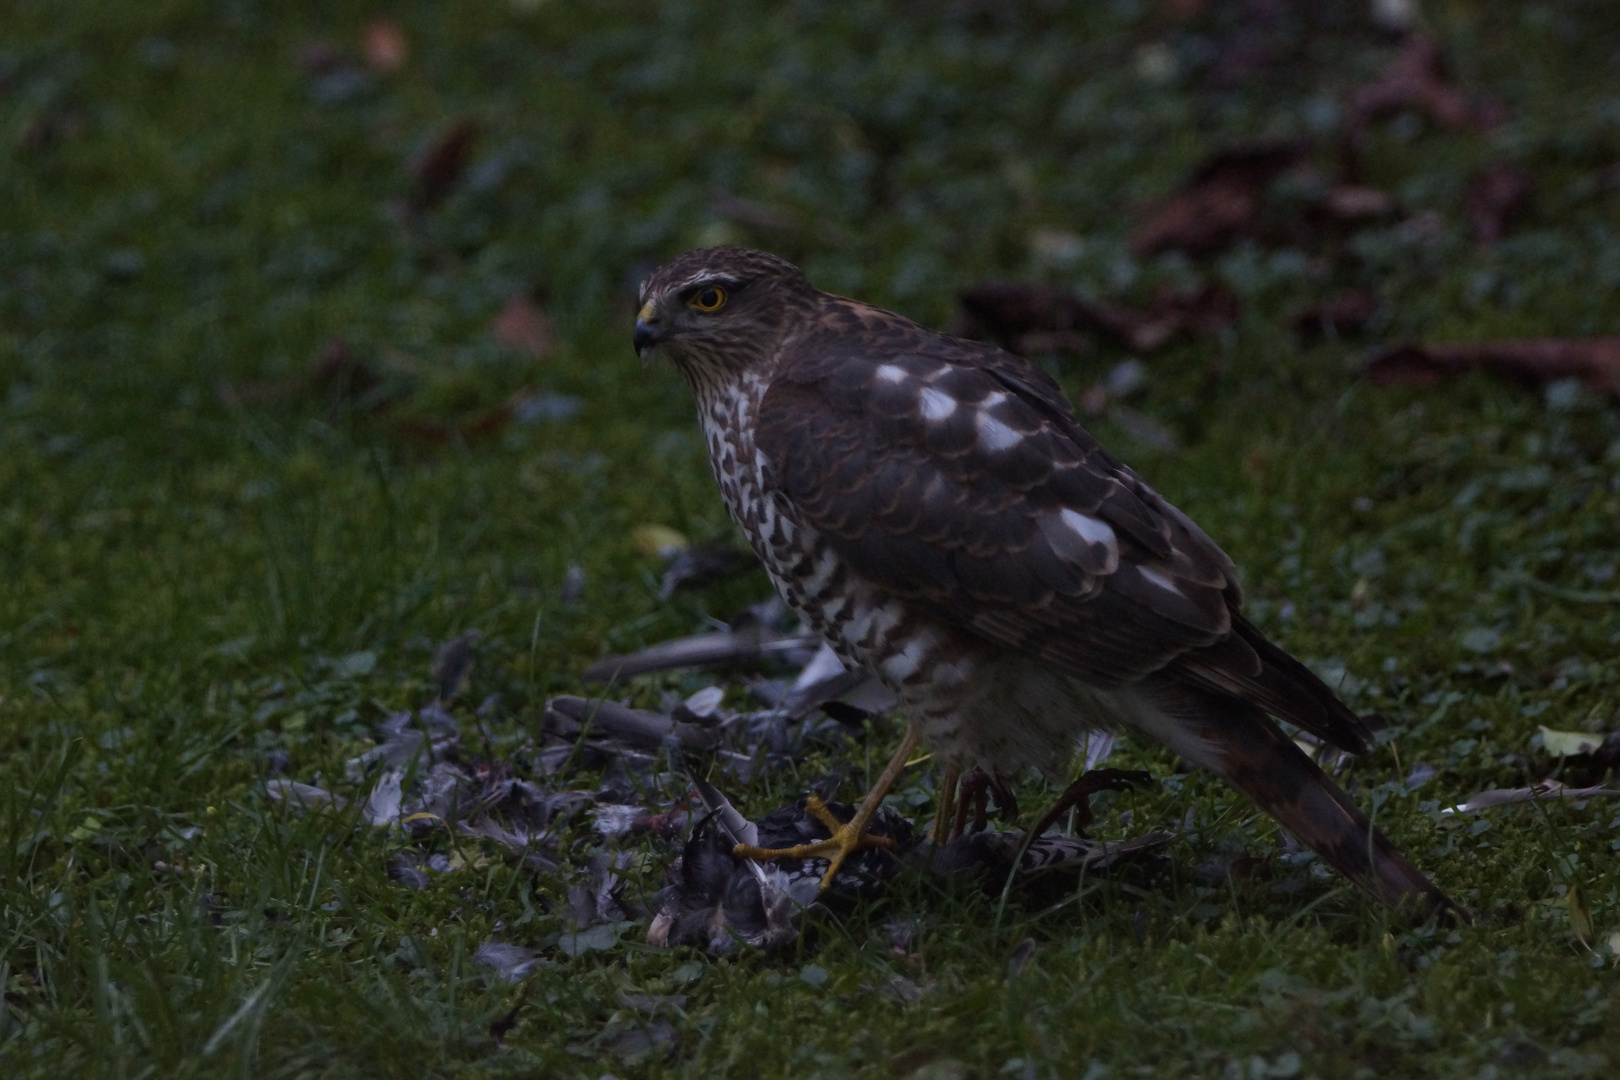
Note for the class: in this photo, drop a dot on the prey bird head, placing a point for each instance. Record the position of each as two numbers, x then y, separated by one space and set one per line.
716 311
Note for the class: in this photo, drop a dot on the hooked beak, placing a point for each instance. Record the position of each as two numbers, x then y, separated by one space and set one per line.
649 328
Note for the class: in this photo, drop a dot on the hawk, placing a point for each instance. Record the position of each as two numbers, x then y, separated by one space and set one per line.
934 510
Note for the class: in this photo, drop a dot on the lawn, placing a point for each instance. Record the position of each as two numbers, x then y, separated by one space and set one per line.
315 356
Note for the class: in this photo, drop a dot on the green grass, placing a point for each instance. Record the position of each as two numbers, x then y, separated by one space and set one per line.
182 208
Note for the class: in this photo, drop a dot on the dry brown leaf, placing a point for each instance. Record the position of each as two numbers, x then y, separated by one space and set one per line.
1417 79
522 324
1496 198
440 168
384 45
1037 318
1533 363
1220 202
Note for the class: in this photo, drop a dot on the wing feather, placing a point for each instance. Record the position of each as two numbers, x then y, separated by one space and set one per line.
955 476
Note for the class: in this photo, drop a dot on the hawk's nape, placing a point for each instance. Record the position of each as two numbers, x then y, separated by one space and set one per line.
933 508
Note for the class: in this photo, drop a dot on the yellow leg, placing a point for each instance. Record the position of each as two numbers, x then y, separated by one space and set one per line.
848 838
947 804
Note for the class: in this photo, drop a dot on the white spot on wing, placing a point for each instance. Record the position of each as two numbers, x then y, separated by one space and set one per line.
936 404
892 373
1155 578
994 435
1088 528
1075 536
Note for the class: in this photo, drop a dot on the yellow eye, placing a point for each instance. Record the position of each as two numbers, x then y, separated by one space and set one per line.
710 298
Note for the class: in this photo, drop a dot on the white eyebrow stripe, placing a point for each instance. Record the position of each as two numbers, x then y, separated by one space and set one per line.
936 405
892 373
1155 578
995 435
705 277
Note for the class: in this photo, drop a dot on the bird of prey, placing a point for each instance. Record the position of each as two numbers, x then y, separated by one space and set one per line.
932 508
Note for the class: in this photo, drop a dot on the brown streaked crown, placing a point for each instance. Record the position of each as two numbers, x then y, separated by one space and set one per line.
763 296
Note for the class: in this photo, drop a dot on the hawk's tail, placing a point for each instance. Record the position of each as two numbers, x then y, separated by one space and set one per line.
1247 749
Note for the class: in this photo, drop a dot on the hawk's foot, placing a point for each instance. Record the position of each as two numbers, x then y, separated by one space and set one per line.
846 839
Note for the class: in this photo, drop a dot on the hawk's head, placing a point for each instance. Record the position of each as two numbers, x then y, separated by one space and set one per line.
718 310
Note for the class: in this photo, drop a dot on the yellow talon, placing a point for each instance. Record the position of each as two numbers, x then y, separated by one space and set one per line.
846 839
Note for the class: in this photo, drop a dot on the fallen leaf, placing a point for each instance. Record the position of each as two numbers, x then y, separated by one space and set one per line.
1533 363
1417 79
1495 199
522 325
442 165
1580 916
658 541
1568 743
1352 204
1027 318
384 46
1219 203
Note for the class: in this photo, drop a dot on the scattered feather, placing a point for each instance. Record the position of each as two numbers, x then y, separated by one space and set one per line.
748 645
303 796
603 937
691 567
452 664
614 821
702 707
512 963
1545 789
569 716
384 803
